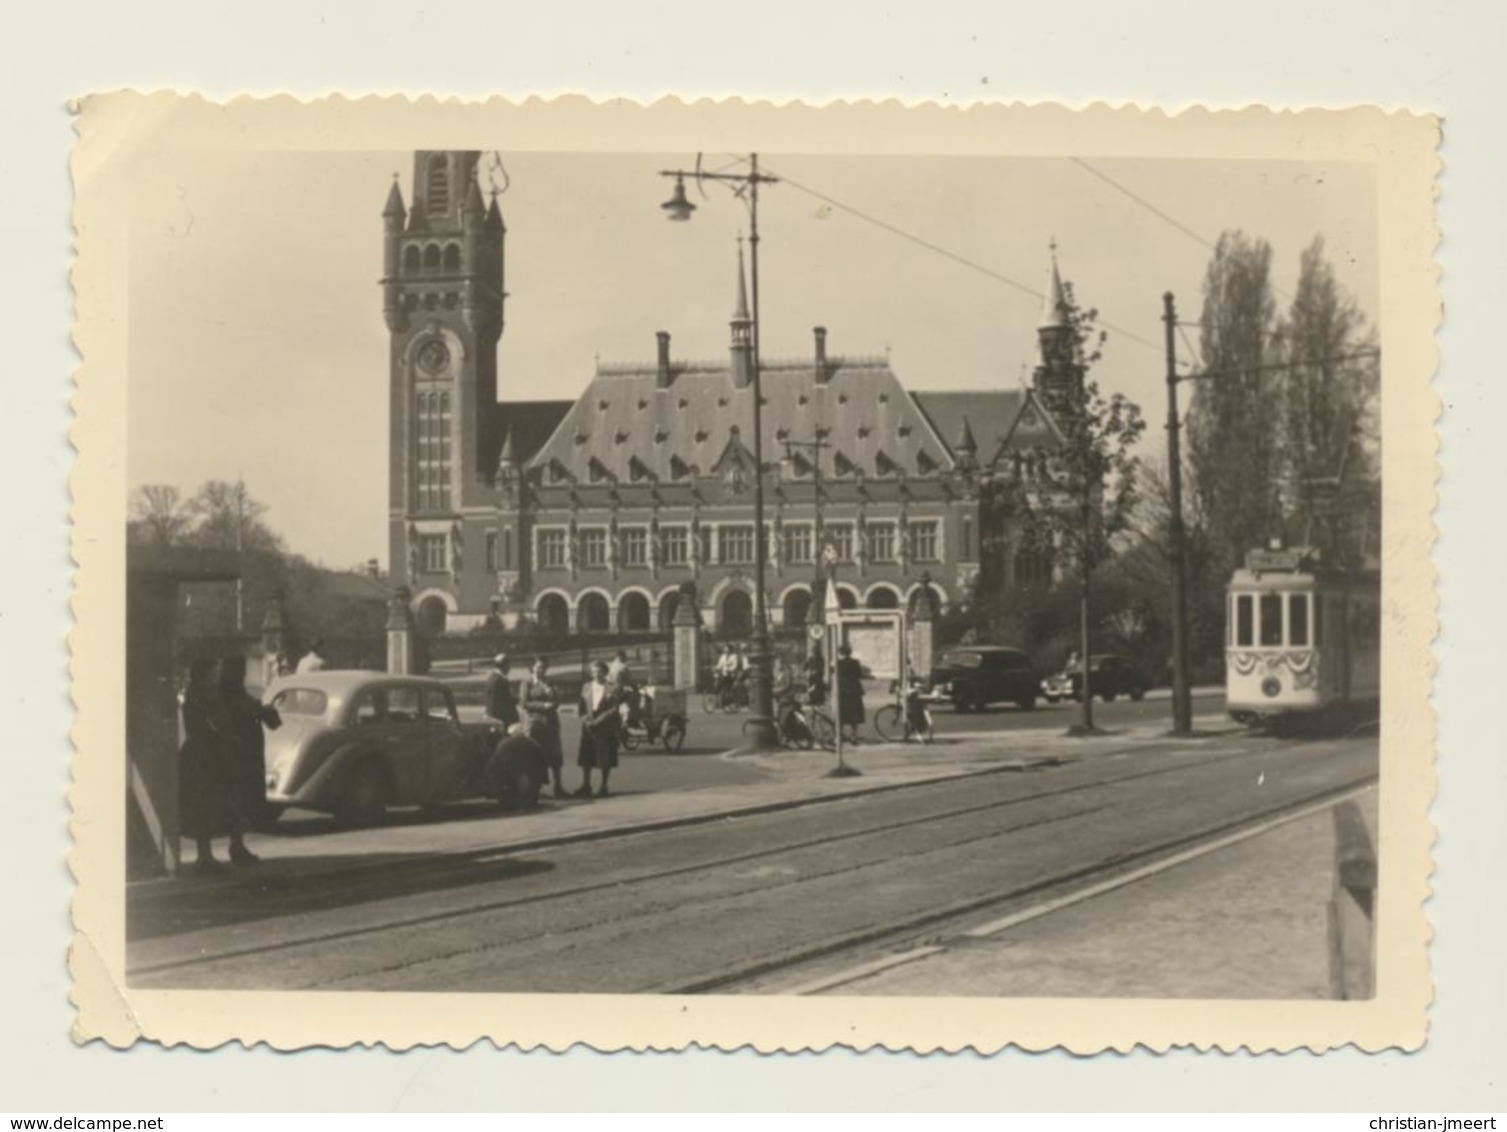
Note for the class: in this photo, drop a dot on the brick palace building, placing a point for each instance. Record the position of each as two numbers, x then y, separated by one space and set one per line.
592 515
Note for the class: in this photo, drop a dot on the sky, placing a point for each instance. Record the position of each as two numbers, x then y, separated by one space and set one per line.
258 350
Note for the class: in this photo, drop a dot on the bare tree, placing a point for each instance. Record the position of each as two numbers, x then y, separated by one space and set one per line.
158 515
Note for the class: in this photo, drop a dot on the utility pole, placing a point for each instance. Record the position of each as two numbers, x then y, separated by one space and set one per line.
1182 695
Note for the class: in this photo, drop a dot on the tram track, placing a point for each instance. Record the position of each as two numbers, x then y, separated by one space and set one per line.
1094 876
648 878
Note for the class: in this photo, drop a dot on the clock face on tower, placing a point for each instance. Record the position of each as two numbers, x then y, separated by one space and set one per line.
434 357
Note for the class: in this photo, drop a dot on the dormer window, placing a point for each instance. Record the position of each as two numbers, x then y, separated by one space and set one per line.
596 470
554 472
924 462
620 437
884 465
637 470
843 465
800 465
678 468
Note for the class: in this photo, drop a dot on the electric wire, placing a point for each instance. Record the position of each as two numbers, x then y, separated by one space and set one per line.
946 253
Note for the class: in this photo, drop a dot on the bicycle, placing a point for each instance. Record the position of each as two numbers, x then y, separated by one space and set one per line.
731 697
802 726
908 716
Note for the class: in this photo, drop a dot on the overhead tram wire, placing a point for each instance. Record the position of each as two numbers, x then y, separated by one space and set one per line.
947 254
1151 208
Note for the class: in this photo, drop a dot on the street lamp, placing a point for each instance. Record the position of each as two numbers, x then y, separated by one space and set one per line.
760 729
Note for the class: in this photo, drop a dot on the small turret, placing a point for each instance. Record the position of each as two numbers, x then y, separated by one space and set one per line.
741 325
393 216
966 447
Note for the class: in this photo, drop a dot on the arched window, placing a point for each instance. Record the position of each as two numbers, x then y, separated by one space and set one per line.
439 185
432 614
883 598
412 258
432 258
633 613
797 608
553 614
452 257
507 548
593 614
737 615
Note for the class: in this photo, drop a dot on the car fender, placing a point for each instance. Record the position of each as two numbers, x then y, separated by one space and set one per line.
326 785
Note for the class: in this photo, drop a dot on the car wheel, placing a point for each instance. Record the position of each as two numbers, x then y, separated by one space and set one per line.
523 790
628 739
1138 694
1027 703
268 817
1108 697
674 735
366 796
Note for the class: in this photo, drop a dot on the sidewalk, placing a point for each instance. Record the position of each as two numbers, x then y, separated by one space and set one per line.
1250 920
784 779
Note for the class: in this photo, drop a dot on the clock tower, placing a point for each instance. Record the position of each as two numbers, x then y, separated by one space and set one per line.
442 298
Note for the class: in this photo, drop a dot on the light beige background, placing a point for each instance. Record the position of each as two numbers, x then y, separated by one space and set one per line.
1445 58
126 137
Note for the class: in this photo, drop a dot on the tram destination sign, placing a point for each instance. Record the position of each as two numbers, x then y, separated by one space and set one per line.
1265 560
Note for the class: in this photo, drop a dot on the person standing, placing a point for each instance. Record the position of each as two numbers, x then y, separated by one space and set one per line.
598 709
849 691
542 703
499 704
241 717
203 761
312 661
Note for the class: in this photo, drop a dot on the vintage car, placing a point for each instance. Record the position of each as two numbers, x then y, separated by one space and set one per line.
1110 676
355 743
975 676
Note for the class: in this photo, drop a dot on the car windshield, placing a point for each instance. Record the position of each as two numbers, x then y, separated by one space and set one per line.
961 660
301 701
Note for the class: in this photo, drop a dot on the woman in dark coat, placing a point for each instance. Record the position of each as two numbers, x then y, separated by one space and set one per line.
849 690
242 716
203 762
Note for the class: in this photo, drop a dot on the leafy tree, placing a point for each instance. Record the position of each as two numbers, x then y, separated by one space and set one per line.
228 518
1233 421
1331 409
1085 491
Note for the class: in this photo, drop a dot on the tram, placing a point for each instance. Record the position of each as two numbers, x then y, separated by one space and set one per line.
1301 640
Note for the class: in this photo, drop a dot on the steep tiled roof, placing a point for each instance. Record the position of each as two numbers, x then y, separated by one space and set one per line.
988 414
527 424
867 417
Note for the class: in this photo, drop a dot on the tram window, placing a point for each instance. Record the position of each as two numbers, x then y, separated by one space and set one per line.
1297 619
1318 619
1244 630
1271 619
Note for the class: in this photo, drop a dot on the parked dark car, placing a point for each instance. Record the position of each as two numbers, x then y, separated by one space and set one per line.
1111 675
975 676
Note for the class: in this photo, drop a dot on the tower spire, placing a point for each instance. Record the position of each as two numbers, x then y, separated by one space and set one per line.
741 325
1054 301
740 311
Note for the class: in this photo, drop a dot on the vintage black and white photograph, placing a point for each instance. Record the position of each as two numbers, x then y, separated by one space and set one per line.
725 569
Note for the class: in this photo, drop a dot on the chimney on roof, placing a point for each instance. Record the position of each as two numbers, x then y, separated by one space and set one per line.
663 379
823 371
372 570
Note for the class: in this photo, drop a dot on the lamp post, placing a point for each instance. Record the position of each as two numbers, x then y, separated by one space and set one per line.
760 729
